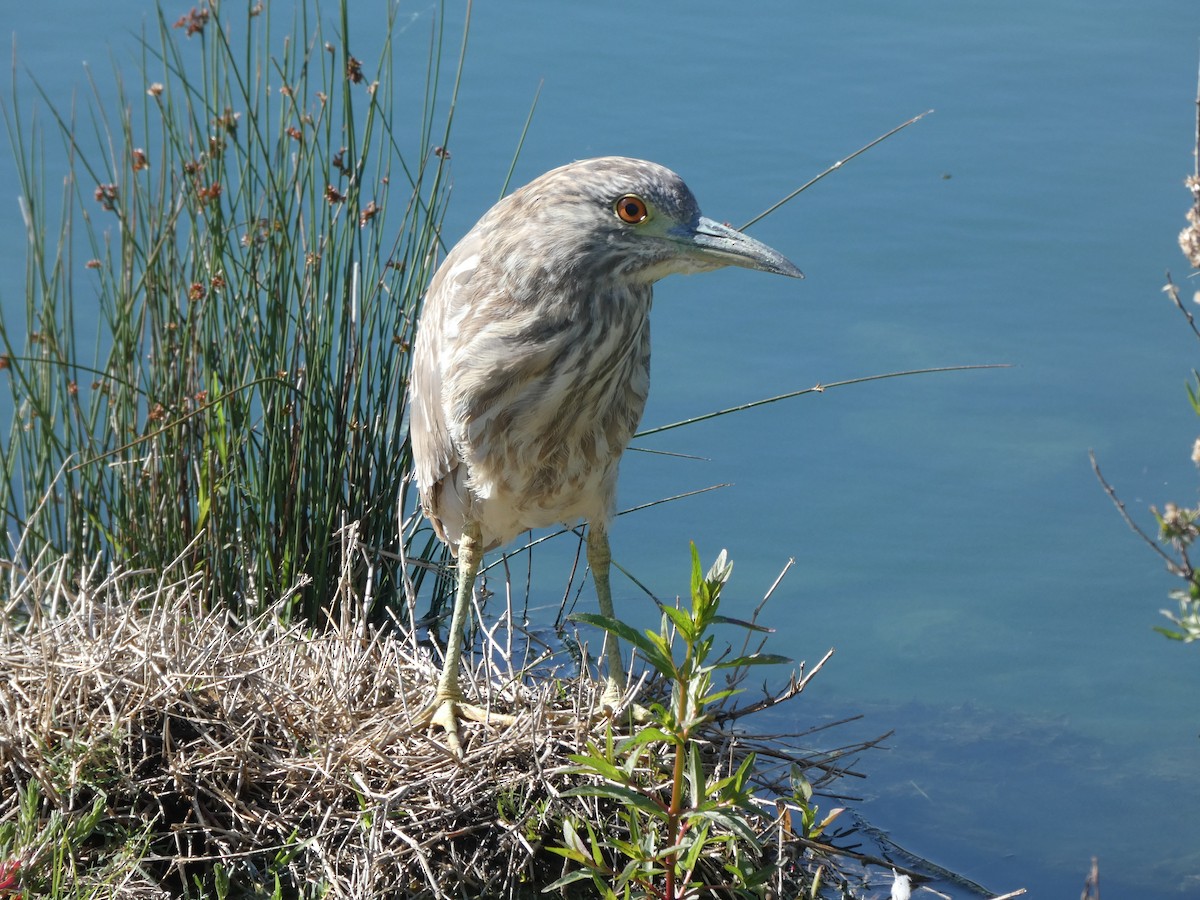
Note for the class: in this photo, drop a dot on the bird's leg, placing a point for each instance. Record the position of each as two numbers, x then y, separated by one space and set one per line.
600 559
448 708
469 558
444 709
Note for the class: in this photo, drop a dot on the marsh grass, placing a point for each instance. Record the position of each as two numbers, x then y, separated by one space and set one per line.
248 232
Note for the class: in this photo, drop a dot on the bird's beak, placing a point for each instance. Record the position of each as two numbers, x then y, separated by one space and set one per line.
719 245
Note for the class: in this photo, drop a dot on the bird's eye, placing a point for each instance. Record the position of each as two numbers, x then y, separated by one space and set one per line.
631 209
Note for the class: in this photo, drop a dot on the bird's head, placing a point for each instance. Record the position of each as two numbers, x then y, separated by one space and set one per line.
629 218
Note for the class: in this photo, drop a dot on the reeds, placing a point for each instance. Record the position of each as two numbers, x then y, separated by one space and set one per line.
249 233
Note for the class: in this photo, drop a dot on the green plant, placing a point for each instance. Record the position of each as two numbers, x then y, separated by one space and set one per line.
255 243
810 827
679 824
241 879
68 855
1177 527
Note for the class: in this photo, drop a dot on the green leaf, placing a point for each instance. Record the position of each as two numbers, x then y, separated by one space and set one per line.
569 878
735 823
1173 635
574 843
742 623
737 780
622 794
754 659
720 570
682 621
599 765
696 779
698 842
650 650
801 787
743 772
652 734
756 876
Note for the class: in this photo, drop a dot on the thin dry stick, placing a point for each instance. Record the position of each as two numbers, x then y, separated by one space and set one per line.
833 168
816 389
755 628
1172 565
1196 151
521 140
794 687
787 567
1173 292
631 509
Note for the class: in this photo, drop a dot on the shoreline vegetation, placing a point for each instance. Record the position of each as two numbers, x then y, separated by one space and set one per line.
152 749
208 627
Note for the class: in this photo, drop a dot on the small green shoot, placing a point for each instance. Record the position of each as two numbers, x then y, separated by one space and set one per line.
684 825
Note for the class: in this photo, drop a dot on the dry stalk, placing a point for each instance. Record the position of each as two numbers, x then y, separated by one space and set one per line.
261 745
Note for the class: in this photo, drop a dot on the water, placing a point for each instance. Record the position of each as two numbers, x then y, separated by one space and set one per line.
952 542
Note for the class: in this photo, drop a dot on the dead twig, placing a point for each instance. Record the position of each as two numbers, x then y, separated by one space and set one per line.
1172 566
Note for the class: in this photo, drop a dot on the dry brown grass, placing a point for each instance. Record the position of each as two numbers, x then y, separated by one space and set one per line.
280 750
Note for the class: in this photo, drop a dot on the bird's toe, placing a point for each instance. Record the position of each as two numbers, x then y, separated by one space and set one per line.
444 714
449 712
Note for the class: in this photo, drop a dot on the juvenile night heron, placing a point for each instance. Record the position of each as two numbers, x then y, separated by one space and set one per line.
532 365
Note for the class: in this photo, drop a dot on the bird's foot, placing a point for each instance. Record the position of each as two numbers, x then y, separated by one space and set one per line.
448 709
616 701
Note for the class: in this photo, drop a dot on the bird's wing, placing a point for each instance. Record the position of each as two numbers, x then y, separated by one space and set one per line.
435 456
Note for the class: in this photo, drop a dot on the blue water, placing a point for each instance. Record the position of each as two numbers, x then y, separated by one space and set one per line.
951 541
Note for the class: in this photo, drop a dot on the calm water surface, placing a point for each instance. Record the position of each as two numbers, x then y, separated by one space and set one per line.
951 540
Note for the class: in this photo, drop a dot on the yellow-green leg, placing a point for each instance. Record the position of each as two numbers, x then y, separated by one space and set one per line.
448 708
600 560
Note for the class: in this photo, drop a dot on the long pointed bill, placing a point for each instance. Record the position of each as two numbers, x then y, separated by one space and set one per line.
716 244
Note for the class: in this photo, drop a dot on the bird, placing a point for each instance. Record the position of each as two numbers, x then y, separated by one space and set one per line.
531 368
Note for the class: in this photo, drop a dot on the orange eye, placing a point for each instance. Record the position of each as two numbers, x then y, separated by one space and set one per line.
631 209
